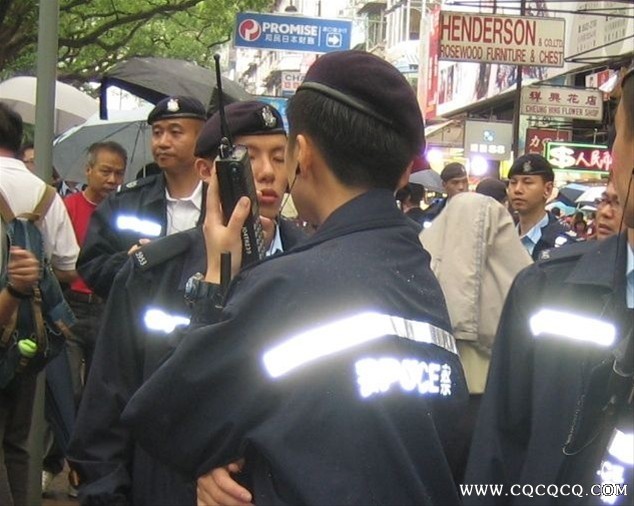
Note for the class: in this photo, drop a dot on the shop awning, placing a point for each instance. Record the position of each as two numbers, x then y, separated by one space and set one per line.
447 133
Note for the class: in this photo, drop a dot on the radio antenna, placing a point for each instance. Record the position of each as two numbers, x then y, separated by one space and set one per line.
224 126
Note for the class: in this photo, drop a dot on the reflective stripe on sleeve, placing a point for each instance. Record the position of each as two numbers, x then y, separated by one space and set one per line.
145 228
572 326
160 321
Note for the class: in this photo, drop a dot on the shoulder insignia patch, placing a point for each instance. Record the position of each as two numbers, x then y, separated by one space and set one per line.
162 249
137 183
572 251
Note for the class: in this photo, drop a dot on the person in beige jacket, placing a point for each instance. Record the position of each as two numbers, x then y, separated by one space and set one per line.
476 253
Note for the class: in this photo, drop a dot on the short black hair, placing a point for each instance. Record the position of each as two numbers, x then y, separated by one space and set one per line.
360 150
11 129
556 211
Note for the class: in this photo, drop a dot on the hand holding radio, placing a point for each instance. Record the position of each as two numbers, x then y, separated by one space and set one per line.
220 238
235 180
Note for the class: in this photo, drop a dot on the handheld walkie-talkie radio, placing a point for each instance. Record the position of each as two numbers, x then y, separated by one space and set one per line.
235 179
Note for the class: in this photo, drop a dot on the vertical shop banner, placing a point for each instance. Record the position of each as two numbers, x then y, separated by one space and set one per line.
432 64
512 40
537 138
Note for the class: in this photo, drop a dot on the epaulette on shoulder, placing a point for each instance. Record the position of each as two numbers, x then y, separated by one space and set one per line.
566 253
136 184
163 249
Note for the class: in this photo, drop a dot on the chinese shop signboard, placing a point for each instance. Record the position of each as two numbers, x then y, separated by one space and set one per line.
537 138
562 102
573 156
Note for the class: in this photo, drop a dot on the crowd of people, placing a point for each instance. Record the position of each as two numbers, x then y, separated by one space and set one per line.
391 356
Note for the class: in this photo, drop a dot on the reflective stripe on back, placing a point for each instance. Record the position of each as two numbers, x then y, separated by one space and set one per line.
346 333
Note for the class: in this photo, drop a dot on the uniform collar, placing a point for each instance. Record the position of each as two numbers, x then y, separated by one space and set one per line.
195 198
535 233
276 245
600 265
373 209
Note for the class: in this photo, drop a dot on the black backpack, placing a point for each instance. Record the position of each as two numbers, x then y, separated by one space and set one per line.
46 317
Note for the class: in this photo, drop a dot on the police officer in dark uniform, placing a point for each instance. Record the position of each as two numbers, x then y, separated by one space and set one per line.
330 369
530 185
151 207
558 405
145 307
454 180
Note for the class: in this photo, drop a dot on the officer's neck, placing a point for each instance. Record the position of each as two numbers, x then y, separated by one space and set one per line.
181 184
531 218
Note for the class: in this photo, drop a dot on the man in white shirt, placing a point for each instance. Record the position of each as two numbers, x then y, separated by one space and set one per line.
23 190
151 207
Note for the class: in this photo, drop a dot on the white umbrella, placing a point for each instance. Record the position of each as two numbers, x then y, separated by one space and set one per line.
591 194
128 128
429 178
72 106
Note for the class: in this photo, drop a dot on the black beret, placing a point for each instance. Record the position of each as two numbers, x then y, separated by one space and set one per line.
532 165
452 171
493 188
369 85
243 118
177 107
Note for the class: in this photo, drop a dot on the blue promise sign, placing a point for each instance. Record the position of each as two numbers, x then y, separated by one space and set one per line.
292 33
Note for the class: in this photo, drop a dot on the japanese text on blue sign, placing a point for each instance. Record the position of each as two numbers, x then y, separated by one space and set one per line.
292 33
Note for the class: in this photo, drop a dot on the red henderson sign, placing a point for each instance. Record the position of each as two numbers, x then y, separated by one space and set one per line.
502 39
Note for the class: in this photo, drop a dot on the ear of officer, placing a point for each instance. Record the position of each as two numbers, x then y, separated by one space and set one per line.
382 95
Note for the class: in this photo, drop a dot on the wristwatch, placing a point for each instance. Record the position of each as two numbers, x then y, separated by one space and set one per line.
197 289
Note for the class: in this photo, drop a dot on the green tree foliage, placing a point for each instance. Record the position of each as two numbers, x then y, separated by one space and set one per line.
96 34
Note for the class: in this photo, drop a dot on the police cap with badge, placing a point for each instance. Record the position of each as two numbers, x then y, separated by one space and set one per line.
370 85
532 165
177 107
244 118
174 107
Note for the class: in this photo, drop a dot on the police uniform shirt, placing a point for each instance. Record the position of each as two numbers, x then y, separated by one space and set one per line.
532 237
276 245
369 415
183 213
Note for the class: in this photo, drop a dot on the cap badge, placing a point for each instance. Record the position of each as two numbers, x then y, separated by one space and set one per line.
172 105
527 167
270 121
